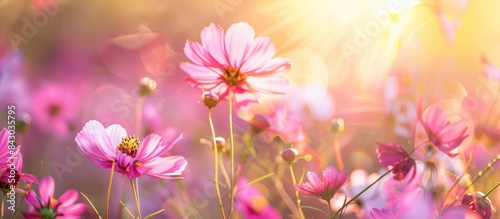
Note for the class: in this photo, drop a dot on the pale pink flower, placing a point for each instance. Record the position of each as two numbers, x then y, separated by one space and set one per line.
131 156
235 62
252 204
47 206
440 132
394 157
326 188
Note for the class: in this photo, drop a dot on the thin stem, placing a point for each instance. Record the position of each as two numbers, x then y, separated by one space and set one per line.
138 115
216 163
491 190
91 205
136 198
111 174
231 140
3 205
364 190
479 175
330 209
301 213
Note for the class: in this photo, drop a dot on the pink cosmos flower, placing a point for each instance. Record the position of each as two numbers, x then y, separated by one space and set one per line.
394 157
440 132
325 189
54 108
489 70
376 213
131 156
252 203
235 62
5 177
46 206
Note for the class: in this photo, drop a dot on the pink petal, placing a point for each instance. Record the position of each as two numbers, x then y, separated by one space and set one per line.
260 51
268 85
152 147
212 38
68 198
274 66
116 133
237 40
199 55
32 199
74 210
202 74
46 189
167 167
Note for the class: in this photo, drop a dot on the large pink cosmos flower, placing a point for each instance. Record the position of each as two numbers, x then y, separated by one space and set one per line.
235 62
394 157
131 156
46 206
325 189
440 132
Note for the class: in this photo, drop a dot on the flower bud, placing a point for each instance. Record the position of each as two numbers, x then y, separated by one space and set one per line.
146 86
209 99
479 204
220 143
337 125
289 154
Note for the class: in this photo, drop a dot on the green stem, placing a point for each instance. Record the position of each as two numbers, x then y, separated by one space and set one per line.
231 140
109 188
359 194
216 163
301 213
134 190
491 190
330 209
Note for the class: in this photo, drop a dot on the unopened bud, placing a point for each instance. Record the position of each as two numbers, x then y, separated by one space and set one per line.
209 99
220 143
337 125
23 122
146 86
289 154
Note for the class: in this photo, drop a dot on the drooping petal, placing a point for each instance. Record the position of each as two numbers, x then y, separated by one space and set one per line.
167 167
32 199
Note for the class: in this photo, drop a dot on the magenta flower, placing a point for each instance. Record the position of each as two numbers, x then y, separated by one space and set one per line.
235 62
131 156
395 158
5 178
478 204
54 108
252 203
326 188
46 206
376 213
440 132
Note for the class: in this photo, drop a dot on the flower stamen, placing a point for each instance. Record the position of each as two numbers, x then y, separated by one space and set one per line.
129 145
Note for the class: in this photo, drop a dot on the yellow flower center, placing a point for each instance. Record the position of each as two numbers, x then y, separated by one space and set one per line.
129 145
258 204
233 77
